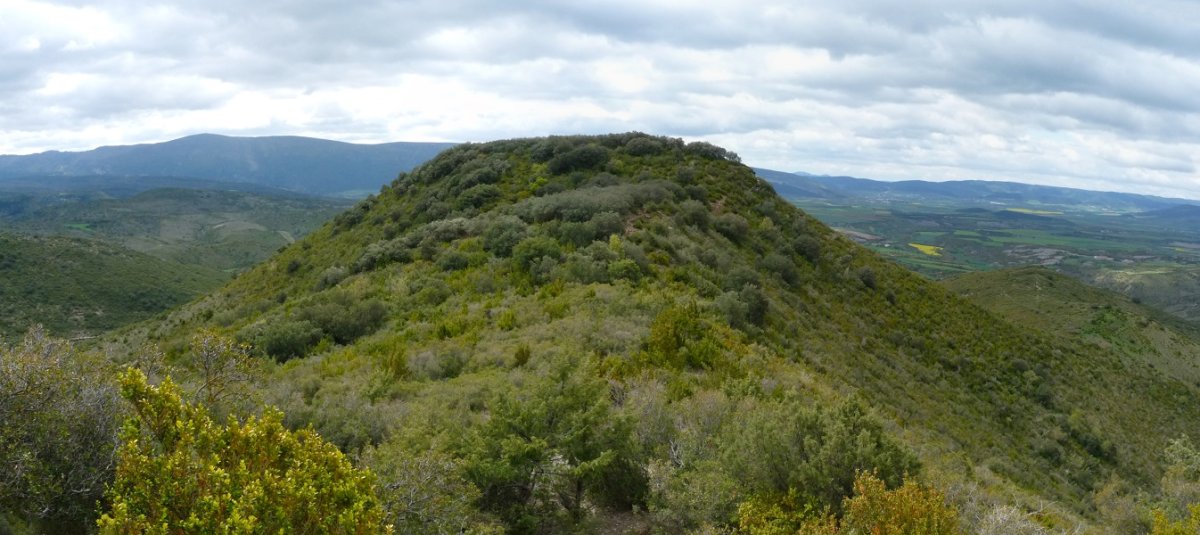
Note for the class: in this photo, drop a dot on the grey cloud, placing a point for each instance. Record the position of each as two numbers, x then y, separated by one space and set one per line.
927 84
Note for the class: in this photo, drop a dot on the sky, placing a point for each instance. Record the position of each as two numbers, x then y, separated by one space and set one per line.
1095 94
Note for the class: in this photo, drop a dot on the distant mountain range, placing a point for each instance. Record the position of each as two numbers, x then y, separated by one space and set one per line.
976 192
307 165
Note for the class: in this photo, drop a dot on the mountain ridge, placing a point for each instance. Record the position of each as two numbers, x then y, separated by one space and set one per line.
295 163
993 191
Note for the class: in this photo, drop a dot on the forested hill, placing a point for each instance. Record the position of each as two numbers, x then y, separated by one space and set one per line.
294 163
577 328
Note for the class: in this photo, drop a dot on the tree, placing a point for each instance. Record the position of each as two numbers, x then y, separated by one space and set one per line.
179 472
58 433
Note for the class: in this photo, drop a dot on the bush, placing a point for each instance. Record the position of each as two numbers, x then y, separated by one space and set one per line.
911 508
59 415
807 247
589 156
331 277
285 339
732 226
694 213
782 266
343 319
785 446
606 224
535 248
584 204
644 146
178 471
381 253
479 196
453 260
549 447
867 276
426 492
708 150
503 234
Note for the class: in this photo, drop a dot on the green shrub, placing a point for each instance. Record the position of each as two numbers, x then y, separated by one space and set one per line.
787 446
535 248
453 260
590 156
694 213
503 234
547 449
285 339
344 319
732 226
479 196
59 414
781 266
178 471
644 146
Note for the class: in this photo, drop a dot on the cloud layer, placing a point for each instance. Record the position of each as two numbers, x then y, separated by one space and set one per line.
1097 94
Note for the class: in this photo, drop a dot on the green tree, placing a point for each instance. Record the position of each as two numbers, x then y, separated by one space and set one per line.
179 472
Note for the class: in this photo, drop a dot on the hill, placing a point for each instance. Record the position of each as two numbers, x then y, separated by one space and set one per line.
1085 316
82 288
220 229
289 162
577 328
968 193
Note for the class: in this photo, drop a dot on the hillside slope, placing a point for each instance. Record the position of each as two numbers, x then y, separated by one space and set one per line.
436 319
289 162
212 229
1085 316
80 287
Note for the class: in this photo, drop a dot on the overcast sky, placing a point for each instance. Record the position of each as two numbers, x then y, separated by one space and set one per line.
1096 94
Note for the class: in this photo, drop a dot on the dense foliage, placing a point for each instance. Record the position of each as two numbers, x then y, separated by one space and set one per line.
75 286
179 472
59 416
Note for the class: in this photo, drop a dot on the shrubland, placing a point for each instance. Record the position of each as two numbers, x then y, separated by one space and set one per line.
631 333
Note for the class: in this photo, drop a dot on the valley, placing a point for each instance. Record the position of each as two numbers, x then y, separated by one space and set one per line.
1138 246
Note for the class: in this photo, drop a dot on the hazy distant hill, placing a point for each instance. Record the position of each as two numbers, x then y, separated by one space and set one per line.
295 163
1178 216
213 228
977 192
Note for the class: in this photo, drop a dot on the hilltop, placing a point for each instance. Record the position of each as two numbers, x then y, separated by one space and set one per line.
661 296
294 163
